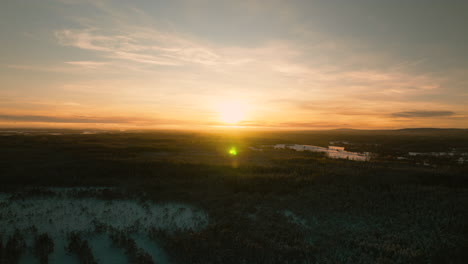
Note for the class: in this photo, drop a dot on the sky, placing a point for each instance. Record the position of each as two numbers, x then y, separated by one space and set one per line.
187 64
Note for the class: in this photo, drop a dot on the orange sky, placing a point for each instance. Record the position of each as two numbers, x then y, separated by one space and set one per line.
209 64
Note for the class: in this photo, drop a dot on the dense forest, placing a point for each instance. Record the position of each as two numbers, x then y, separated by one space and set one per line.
264 205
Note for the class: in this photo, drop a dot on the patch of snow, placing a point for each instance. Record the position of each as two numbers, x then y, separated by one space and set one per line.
104 252
28 256
336 148
434 154
60 255
151 247
255 149
293 218
61 216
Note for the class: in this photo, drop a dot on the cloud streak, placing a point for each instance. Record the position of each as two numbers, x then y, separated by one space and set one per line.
140 45
53 119
127 121
423 114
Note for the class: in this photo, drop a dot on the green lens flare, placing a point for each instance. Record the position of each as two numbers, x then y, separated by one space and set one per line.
233 151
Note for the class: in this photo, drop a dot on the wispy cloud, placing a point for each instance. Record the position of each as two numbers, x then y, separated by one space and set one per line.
413 114
71 119
141 45
281 62
127 121
88 64
311 125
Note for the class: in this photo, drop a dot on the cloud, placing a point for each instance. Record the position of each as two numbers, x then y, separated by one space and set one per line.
141 45
273 64
88 64
280 125
311 125
410 114
128 121
72 119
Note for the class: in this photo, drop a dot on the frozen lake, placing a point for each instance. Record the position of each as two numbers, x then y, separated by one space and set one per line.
333 152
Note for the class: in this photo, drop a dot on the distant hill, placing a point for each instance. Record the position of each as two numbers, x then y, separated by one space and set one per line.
345 129
430 129
418 129
394 132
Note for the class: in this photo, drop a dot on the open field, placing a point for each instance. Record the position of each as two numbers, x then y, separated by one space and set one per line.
181 197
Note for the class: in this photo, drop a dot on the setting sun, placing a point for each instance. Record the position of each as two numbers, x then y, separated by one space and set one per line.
231 112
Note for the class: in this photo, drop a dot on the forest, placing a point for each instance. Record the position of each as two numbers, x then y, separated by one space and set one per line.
196 201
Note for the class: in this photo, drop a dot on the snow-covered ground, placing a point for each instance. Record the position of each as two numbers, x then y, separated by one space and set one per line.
57 216
60 215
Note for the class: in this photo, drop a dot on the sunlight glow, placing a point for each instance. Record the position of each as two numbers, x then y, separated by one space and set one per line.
231 112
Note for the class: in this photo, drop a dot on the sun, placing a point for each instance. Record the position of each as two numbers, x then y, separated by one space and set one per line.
231 112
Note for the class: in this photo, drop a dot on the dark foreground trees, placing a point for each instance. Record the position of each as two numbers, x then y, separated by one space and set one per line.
12 250
81 249
43 246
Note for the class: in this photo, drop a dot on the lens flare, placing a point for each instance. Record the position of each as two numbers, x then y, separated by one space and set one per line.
233 151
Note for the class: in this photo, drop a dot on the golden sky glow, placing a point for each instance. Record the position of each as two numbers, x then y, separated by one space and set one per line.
232 112
204 64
